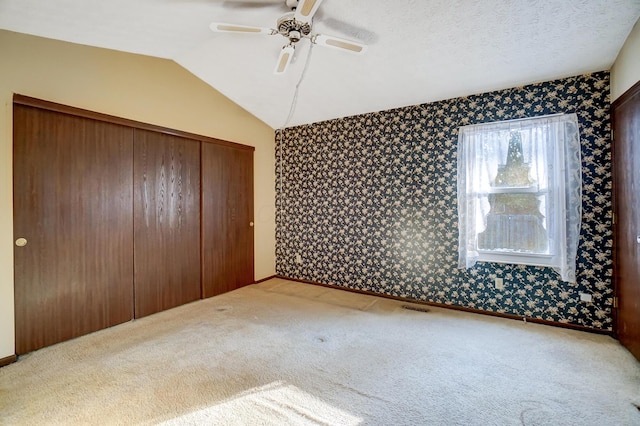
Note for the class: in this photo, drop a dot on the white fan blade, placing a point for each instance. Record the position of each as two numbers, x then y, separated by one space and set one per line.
221 27
257 2
306 9
339 43
284 59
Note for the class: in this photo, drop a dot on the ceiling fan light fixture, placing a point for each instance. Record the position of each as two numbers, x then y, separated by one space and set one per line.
287 23
294 36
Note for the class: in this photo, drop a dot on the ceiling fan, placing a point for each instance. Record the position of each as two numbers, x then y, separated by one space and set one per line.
294 26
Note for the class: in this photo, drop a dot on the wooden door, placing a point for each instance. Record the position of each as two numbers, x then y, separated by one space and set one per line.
227 218
73 205
626 166
166 221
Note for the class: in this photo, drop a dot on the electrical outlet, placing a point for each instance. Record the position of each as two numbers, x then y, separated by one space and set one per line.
586 297
499 284
298 259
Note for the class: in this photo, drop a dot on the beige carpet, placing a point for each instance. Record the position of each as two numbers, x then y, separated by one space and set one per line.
287 353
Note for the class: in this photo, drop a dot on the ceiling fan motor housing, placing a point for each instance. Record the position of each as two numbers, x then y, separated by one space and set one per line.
294 30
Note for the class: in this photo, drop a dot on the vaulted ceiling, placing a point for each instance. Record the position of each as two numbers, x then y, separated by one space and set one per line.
418 50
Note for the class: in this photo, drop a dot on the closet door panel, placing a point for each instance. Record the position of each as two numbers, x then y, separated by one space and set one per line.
166 221
73 199
227 209
626 168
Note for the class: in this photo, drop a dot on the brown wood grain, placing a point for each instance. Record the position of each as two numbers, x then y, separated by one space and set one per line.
73 204
227 211
166 221
626 178
79 112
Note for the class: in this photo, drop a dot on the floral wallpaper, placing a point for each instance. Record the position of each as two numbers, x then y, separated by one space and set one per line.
369 202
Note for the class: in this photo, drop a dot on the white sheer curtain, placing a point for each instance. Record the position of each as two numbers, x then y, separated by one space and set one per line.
548 156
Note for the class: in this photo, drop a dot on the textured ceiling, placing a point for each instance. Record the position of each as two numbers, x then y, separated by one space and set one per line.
419 50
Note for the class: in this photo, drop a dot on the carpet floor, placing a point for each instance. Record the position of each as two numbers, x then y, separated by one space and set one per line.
282 352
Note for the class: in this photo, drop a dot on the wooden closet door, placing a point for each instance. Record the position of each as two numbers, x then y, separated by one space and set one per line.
626 177
166 221
73 205
227 218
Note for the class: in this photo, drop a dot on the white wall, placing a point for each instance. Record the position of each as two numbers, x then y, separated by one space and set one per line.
625 71
136 87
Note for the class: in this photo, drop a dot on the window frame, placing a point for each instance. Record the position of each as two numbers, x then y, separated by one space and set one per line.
556 202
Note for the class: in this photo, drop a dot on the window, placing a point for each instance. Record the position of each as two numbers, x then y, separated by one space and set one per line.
519 193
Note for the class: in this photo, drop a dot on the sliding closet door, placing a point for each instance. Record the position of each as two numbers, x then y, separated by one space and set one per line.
72 224
227 218
166 221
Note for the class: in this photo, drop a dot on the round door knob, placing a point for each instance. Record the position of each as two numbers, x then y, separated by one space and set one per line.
21 242
250 223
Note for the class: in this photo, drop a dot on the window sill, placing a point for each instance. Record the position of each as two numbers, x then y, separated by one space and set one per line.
516 190
532 259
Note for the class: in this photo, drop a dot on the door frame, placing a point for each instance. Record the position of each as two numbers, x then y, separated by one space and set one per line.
633 92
